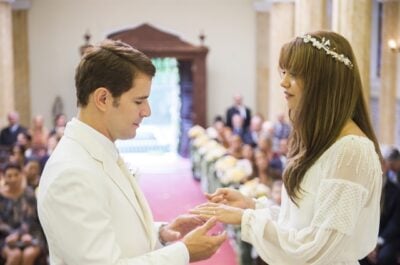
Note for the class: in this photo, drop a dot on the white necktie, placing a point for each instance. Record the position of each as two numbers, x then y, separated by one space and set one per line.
147 215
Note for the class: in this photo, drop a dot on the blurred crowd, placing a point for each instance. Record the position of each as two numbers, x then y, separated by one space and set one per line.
23 154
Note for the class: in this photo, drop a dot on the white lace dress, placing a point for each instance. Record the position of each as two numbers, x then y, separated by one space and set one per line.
337 219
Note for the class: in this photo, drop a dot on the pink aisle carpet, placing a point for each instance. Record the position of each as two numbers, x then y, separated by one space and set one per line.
170 189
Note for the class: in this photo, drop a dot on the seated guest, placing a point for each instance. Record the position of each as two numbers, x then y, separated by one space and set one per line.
262 168
17 155
216 131
59 125
276 165
41 153
24 139
255 130
248 154
265 145
8 135
235 146
282 127
282 151
246 163
388 247
226 136
393 165
238 129
32 171
21 238
39 132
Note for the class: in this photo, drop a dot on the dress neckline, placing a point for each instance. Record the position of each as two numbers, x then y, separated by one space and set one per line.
352 136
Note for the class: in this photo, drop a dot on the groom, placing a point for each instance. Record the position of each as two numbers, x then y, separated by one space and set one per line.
91 208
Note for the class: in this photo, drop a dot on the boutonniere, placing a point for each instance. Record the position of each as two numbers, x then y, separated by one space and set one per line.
134 171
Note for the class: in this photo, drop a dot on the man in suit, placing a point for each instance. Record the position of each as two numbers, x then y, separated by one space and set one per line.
8 135
388 247
238 108
90 205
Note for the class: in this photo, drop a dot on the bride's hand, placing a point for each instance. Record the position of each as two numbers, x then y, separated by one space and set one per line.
231 197
224 213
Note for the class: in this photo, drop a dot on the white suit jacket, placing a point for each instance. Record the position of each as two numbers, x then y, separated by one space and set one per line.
92 212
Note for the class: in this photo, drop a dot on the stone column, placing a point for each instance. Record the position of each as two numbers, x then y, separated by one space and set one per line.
281 31
21 65
352 19
6 61
311 15
388 89
262 58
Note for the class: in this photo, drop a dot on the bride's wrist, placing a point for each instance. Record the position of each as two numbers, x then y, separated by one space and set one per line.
250 203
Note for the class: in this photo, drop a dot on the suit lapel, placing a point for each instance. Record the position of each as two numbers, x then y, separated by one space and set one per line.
115 174
147 217
120 176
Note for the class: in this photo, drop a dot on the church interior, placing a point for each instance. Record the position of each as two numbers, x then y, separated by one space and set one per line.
197 47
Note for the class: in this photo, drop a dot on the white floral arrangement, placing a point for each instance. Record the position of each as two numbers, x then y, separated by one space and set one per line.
255 189
196 131
233 175
225 163
212 132
231 170
201 140
246 166
211 144
325 44
215 153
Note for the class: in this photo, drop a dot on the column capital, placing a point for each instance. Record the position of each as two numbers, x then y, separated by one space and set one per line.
21 4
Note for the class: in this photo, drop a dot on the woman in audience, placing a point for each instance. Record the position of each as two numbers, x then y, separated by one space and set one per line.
59 125
235 146
333 178
21 237
248 161
262 169
265 144
33 170
226 135
25 139
17 155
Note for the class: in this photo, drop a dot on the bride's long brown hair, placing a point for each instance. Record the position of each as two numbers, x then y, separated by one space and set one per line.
331 96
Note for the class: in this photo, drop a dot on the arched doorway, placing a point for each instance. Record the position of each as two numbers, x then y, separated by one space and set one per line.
156 43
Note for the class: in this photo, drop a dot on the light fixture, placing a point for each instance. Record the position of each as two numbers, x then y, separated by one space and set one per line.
394 45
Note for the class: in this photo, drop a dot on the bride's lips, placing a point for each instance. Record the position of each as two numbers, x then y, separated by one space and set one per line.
288 95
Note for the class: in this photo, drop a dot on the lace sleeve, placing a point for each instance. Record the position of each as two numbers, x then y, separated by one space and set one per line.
338 209
339 205
355 160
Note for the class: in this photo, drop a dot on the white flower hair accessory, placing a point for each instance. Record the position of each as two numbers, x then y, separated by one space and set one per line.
325 45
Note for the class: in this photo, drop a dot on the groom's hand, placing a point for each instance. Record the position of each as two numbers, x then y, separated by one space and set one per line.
201 245
179 227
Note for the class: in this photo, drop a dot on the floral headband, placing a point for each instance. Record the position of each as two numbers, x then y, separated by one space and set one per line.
325 45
